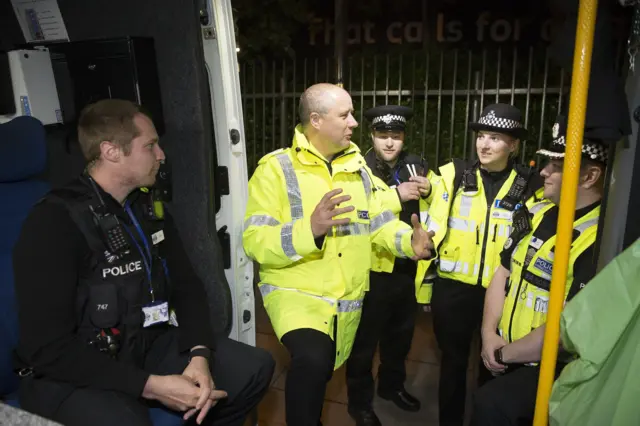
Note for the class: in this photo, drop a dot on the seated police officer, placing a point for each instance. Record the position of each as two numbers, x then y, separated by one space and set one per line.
113 318
515 308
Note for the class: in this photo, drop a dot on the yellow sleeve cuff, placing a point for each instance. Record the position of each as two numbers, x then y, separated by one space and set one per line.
405 242
303 241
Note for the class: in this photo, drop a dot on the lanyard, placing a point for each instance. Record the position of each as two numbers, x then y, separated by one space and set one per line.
148 261
396 175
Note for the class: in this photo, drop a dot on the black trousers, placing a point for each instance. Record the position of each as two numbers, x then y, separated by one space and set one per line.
388 317
509 399
312 360
243 371
457 314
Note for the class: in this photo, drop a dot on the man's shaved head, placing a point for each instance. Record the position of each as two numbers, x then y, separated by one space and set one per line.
326 116
318 98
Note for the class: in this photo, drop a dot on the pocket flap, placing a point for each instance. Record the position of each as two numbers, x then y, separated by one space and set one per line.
103 305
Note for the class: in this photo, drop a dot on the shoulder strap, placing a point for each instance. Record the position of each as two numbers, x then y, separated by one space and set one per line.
460 166
78 205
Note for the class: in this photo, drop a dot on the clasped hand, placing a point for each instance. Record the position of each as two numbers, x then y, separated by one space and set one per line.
189 392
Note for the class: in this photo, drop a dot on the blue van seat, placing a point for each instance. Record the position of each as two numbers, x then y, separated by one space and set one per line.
23 158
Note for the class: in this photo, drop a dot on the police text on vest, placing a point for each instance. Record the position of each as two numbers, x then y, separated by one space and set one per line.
125 269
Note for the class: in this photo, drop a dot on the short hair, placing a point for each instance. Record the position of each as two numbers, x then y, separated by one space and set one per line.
586 163
107 120
313 99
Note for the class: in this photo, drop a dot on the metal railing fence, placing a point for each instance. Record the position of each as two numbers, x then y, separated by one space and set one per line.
446 89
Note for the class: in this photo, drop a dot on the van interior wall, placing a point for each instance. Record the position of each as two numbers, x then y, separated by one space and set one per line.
188 139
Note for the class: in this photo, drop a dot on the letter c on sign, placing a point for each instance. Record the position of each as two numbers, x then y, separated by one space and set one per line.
390 33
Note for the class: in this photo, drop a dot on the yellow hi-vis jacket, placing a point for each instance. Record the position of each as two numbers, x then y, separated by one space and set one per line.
469 234
304 286
525 307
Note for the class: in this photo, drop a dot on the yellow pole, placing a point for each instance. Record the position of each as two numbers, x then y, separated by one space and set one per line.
575 131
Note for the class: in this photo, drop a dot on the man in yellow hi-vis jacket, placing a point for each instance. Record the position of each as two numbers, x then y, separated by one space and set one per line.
515 307
311 218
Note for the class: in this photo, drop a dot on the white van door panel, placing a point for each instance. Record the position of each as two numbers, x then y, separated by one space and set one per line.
220 56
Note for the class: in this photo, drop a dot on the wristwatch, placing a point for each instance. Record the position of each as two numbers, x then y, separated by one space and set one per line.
498 356
203 352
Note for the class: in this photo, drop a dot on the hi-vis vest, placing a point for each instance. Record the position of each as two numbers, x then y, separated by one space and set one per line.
304 286
525 307
470 235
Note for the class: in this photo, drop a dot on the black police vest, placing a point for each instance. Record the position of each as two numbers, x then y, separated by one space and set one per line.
113 289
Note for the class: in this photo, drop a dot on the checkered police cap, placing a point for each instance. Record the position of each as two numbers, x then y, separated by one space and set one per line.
388 117
593 149
501 118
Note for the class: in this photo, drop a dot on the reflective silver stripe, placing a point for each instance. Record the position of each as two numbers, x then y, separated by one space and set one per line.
432 225
293 189
265 289
399 235
260 220
378 221
538 206
349 305
465 205
366 181
286 239
424 217
462 224
583 226
343 305
450 266
349 229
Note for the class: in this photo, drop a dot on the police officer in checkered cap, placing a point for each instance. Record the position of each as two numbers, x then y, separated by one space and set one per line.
594 149
389 311
513 325
471 210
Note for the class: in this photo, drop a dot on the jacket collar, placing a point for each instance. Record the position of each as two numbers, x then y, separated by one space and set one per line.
309 155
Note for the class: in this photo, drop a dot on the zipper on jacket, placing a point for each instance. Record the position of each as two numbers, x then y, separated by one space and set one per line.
328 164
477 235
495 232
484 245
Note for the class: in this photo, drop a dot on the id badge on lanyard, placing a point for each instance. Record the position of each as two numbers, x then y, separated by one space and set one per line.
157 311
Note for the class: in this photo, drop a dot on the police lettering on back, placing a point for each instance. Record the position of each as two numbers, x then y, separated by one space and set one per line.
124 269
